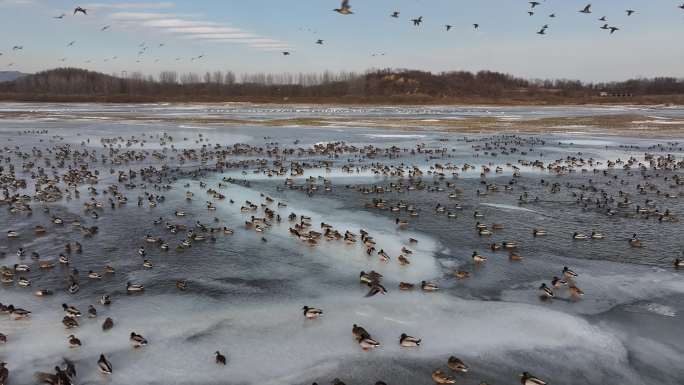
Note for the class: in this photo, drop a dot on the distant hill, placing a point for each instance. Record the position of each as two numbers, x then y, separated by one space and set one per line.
389 86
8 76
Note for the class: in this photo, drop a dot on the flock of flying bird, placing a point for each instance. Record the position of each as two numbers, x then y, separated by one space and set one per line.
345 9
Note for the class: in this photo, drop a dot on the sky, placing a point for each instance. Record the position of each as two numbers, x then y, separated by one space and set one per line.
249 36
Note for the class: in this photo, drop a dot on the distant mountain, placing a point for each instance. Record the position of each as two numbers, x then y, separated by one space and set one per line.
8 76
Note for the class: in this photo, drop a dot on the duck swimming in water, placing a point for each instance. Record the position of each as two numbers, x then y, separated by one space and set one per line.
477 258
134 287
74 342
137 340
104 365
546 292
457 365
678 263
311 312
440 377
428 286
107 324
579 236
568 274
528 379
408 341
220 358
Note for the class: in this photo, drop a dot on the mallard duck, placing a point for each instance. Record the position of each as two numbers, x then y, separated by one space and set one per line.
92 312
18 313
515 257
107 324
43 292
403 261
74 342
596 235
109 269
39 229
134 287
567 273
678 263
104 365
408 341
21 268
440 378
461 274
69 322
428 286
12 234
71 311
406 286
539 232
368 343
4 373
23 281
220 358
137 340
575 291
579 236
557 282
73 288
182 285
94 275
528 379
106 300
546 292
477 258
311 312
359 332
457 365
147 264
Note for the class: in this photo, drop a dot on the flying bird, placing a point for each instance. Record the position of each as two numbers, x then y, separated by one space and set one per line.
395 14
681 6
552 15
533 4
448 27
613 29
417 21
603 18
106 27
17 47
605 26
586 9
286 53
71 43
542 31
630 12
344 9
60 16
82 10
319 41
476 26
530 13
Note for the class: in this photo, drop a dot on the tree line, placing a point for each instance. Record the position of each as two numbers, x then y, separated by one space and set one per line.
385 83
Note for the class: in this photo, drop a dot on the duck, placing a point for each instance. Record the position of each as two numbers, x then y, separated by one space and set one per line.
455 364
74 342
567 273
579 236
92 312
359 332
24 282
514 257
678 263
43 292
4 373
376 288
106 300
368 343
462 274
22 268
440 378
147 264
109 269
575 291
597 235
107 324
137 340
477 258
134 287
182 285
12 234
557 282
18 313
220 358
635 241
69 322
94 275
104 365
546 292
406 286
311 312
539 232
408 341
428 286
528 379
71 311
403 261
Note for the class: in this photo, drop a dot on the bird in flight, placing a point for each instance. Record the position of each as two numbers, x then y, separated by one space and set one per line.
71 43
395 14
603 18
60 16
605 26
613 29
530 13
161 44
541 31
533 4
17 47
448 27
476 26
681 6
82 10
630 12
417 21
106 27
344 9
586 9
552 15
319 41
286 53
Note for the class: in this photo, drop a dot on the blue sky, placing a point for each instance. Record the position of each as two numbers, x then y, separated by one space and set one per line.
247 36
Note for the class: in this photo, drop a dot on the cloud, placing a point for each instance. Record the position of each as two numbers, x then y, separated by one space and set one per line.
157 5
199 30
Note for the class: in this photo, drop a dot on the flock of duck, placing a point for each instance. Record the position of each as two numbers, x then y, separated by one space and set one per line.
60 173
